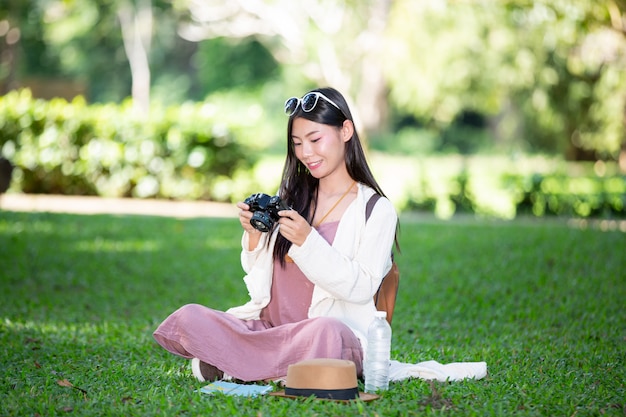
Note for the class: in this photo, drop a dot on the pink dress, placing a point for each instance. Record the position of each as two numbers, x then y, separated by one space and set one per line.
254 350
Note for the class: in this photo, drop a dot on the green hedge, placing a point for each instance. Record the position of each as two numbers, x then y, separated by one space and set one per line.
582 196
65 147
497 187
188 152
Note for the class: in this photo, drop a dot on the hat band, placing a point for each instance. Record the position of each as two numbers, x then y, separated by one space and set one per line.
331 394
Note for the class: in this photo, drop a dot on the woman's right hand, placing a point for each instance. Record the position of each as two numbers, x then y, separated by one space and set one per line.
244 218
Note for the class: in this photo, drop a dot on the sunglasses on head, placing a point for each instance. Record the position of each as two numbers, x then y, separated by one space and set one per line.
307 103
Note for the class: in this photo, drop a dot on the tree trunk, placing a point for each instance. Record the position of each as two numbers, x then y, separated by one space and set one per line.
137 34
372 94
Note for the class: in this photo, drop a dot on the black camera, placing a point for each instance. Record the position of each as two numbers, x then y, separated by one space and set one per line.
265 210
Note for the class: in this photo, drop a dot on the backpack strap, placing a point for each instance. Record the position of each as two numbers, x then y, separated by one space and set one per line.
385 297
370 205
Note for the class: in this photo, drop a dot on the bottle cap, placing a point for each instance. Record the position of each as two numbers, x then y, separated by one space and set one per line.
382 314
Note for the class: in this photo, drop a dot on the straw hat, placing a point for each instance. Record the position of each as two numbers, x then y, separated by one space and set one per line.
325 379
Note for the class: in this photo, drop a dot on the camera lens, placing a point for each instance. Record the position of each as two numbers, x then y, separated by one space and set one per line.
261 221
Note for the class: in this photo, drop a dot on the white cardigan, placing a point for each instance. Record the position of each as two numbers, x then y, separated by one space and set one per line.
346 275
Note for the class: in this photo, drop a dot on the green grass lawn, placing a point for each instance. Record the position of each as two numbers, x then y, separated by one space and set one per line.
541 302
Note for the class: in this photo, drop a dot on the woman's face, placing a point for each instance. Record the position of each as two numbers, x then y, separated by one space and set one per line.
320 147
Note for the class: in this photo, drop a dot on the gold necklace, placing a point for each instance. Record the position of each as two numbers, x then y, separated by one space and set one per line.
336 204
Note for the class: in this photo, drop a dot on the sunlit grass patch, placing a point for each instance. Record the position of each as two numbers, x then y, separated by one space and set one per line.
541 301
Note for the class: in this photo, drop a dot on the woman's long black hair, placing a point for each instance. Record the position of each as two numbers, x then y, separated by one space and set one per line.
298 187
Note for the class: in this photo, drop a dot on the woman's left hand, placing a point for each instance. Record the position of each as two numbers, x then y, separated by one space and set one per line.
293 226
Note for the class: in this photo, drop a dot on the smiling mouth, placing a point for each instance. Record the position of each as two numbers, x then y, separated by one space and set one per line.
314 165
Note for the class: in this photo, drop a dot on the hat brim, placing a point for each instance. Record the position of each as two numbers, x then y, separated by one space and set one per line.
363 396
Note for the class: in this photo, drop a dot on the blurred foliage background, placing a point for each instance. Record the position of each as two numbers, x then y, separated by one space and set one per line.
491 107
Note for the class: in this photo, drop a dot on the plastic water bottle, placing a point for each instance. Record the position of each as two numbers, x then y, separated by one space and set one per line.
376 366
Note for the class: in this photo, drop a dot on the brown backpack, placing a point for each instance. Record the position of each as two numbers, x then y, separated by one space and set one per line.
385 297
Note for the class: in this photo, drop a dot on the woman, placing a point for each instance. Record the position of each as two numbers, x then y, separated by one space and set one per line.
312 278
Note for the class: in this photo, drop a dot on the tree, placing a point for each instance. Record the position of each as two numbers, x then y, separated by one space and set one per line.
331 43
95 41
581 96
553 65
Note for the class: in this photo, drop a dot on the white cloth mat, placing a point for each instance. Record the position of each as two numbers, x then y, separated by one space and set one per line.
430 370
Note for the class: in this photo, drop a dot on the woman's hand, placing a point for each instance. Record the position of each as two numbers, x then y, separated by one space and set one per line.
293 226
244 218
